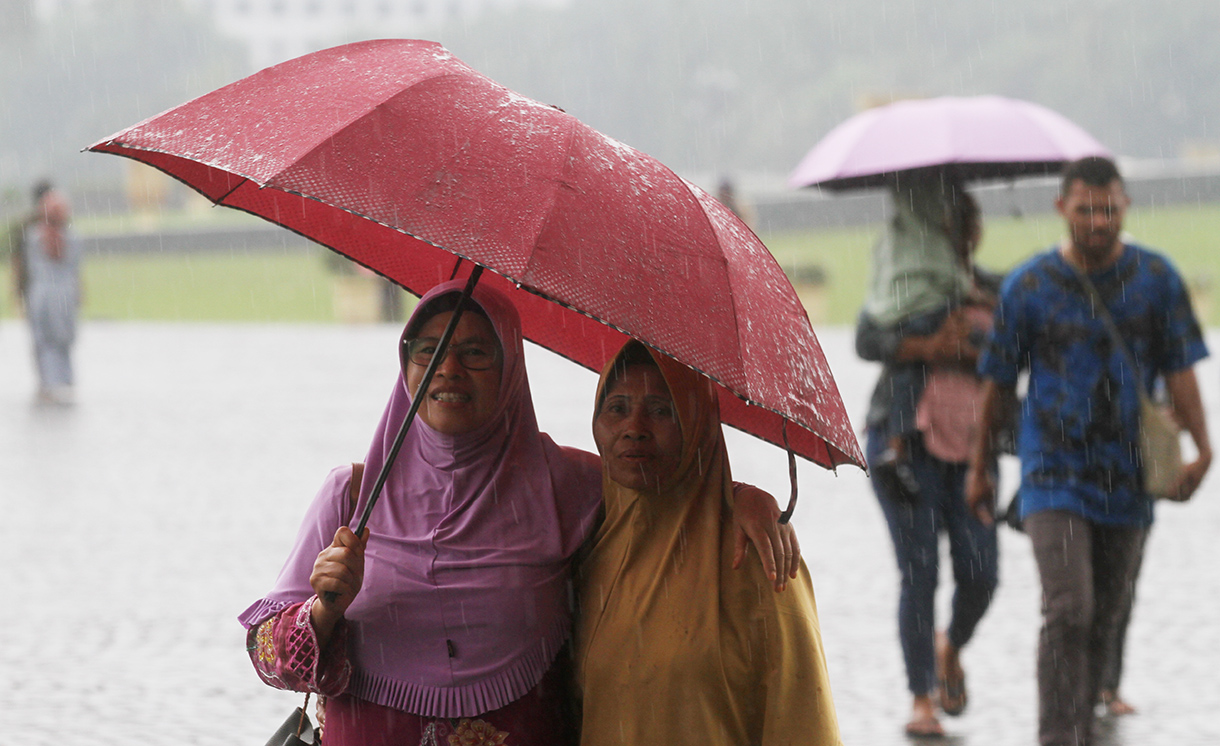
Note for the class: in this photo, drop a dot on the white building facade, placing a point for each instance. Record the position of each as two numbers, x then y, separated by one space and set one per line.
277 30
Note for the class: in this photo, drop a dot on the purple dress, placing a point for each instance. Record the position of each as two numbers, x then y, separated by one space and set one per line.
465 603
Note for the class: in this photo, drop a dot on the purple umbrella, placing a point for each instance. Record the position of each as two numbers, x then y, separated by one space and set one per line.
983 137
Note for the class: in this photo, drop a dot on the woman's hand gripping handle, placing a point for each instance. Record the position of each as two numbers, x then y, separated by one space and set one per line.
337 576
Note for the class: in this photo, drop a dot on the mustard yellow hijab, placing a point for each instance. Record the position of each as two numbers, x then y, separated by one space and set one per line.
673 646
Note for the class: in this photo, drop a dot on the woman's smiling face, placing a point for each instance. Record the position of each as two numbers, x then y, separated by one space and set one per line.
459 400
637 430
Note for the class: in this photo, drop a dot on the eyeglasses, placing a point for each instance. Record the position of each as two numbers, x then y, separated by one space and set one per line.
470 355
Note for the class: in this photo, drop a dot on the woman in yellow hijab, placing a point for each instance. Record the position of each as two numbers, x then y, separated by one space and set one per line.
673 646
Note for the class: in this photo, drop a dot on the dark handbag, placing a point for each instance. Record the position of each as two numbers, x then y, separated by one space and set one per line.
1011 515
297 729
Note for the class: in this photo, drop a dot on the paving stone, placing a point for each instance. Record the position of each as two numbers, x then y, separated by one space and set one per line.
146 517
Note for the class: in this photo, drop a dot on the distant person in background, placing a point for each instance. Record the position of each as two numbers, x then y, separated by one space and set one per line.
925 405
50 291
391 301
726 193
11 239
1083 500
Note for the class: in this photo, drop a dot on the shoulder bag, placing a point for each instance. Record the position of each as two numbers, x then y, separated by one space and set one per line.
1159 436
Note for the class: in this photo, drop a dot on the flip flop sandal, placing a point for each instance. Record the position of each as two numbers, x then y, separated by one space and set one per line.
928 727
953 697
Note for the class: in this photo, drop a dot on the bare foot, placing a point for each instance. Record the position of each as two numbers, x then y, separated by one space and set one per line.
952 687
923 722
1115 704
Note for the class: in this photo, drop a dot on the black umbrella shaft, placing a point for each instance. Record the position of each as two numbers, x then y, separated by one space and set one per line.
438 357
420 394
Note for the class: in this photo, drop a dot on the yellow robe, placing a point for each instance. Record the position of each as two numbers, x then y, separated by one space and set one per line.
673 646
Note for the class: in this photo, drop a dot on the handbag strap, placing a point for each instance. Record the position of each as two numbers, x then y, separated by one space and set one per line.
1108 321
353 492
304 721
353 495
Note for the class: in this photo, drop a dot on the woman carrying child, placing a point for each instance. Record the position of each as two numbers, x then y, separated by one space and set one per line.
929 310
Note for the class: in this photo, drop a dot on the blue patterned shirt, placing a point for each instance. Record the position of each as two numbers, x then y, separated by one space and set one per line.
1079 425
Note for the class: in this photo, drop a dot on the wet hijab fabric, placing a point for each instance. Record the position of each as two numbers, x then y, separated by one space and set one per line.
465 597
673 645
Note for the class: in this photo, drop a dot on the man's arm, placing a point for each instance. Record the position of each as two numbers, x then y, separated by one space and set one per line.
1183 389
980 478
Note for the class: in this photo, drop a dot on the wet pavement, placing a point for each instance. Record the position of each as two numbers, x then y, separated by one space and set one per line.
139 522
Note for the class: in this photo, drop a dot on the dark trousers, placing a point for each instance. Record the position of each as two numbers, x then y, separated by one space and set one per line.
1112 671
1087 572
915 530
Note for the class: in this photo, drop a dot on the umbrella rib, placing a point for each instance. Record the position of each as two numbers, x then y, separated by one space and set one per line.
831 448
550 210
711 225
732 299
356 117
234 189
181 180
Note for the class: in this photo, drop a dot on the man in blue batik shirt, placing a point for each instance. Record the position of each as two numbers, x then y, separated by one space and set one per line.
1082 499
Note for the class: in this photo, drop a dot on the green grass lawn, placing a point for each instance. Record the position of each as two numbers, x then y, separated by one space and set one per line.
1189 235
300 286
212 287
255 286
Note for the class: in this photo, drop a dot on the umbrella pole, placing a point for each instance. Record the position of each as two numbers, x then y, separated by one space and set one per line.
787 514
441 348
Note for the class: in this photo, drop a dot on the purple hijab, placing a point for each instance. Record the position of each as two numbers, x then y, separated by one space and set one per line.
465 596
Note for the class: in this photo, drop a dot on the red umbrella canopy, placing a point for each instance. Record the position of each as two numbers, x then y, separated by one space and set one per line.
399 156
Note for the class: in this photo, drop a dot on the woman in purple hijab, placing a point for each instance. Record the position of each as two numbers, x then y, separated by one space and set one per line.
452 610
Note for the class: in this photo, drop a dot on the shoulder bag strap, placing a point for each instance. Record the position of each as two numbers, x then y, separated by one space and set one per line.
1100 306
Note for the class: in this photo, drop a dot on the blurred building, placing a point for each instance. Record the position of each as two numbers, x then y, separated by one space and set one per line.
277 30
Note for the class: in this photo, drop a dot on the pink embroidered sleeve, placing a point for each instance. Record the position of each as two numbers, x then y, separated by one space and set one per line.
284 651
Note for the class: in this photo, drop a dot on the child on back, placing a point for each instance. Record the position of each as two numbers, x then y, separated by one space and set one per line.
922 274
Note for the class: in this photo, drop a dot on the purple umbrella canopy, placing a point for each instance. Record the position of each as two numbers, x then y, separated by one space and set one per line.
983 137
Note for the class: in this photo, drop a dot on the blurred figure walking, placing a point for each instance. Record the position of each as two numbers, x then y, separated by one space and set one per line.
726 193
1091 321
50 291
921 421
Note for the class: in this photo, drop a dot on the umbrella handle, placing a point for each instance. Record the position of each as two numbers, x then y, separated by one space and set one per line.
787 514
437 357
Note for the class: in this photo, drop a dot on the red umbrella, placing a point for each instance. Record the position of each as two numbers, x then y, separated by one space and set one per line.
399 156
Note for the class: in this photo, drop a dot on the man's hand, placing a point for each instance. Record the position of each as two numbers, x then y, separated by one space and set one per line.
756 515
1188 410
1192 477
980 476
